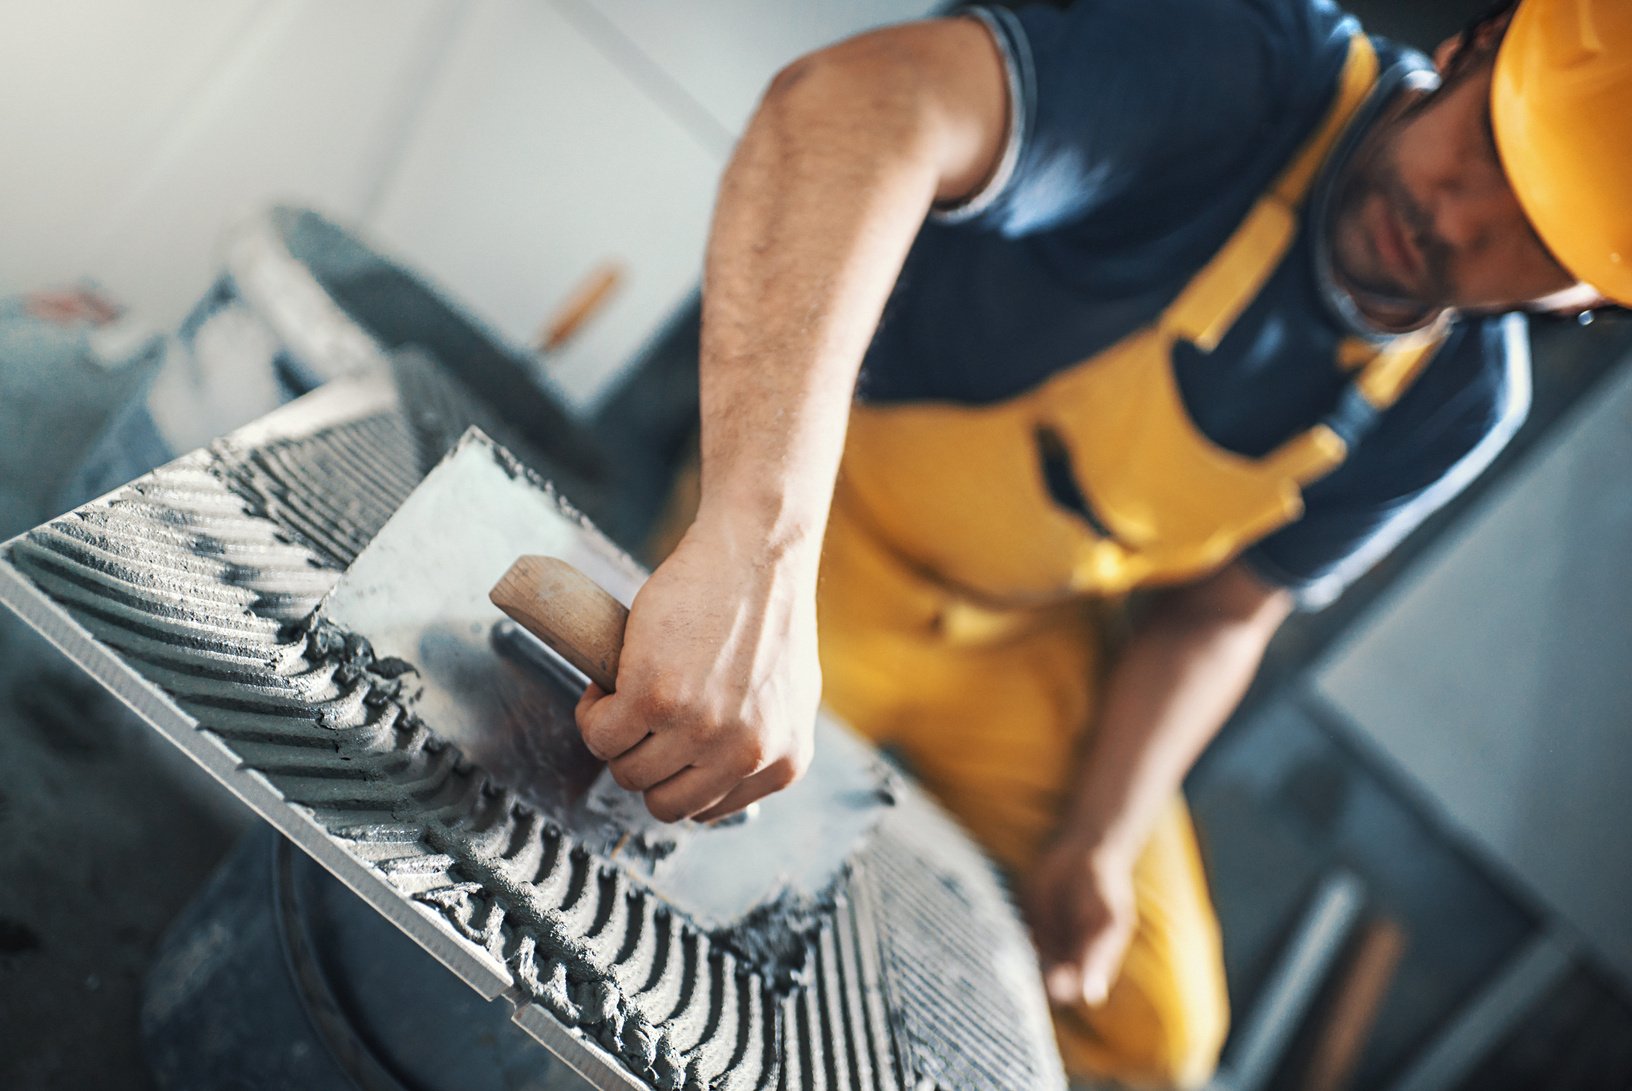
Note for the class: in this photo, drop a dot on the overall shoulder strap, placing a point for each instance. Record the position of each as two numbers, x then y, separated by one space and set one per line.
1375 388
1209 305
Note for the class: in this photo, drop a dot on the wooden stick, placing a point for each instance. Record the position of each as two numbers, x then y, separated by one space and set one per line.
1355 1006
590 295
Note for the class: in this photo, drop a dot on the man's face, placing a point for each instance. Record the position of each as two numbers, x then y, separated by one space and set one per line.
1425 218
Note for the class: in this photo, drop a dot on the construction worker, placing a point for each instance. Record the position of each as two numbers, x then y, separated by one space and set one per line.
1210 300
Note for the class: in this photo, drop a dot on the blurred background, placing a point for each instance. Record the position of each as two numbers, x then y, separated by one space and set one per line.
1418 827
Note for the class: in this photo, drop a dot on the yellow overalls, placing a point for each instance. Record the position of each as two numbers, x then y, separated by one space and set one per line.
958 598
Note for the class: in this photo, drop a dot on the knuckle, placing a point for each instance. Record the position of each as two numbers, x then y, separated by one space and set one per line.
664 810
596 740
747 755
782 774
663 704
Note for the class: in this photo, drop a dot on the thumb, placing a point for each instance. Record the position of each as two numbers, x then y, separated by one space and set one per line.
1102 947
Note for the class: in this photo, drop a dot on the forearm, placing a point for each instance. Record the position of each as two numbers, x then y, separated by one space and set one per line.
816 213
719 676
1181 675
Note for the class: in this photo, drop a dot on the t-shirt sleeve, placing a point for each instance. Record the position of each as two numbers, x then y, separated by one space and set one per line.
1112 99
1435 442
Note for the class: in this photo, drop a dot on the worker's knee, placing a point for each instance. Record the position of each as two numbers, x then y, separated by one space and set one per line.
1167 1038
1189 1050
1165 1060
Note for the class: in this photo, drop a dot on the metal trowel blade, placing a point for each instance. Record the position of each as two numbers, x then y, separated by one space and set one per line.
419 593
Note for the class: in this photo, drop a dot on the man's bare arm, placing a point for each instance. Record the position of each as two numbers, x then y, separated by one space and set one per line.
815 216
1183 672
826 191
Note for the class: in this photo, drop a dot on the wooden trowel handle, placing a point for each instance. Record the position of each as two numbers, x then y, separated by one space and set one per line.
566 610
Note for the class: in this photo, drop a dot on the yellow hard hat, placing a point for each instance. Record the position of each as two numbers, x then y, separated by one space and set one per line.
1561 105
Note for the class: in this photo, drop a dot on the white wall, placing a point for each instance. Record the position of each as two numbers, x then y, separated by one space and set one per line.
507 147
536 162
136 131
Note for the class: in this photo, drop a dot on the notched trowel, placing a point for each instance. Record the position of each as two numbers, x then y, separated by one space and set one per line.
571 629
419 594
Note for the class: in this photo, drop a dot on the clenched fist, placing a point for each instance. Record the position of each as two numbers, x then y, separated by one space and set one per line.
718 681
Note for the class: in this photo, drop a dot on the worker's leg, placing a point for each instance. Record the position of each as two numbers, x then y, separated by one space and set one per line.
994 731
1165 1019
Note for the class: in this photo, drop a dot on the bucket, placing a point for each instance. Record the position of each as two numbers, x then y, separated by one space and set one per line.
278 977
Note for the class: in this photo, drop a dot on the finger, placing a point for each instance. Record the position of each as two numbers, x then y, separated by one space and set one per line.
1062 974
755 788
688 792
1042 913
1098 943
1100 960
1067 934
651 761
608 723
1063 980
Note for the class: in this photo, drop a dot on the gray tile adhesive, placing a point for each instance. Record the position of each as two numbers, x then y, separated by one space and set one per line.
190 594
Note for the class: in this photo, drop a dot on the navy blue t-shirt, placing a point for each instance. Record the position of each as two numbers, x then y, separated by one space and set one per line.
1140 135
